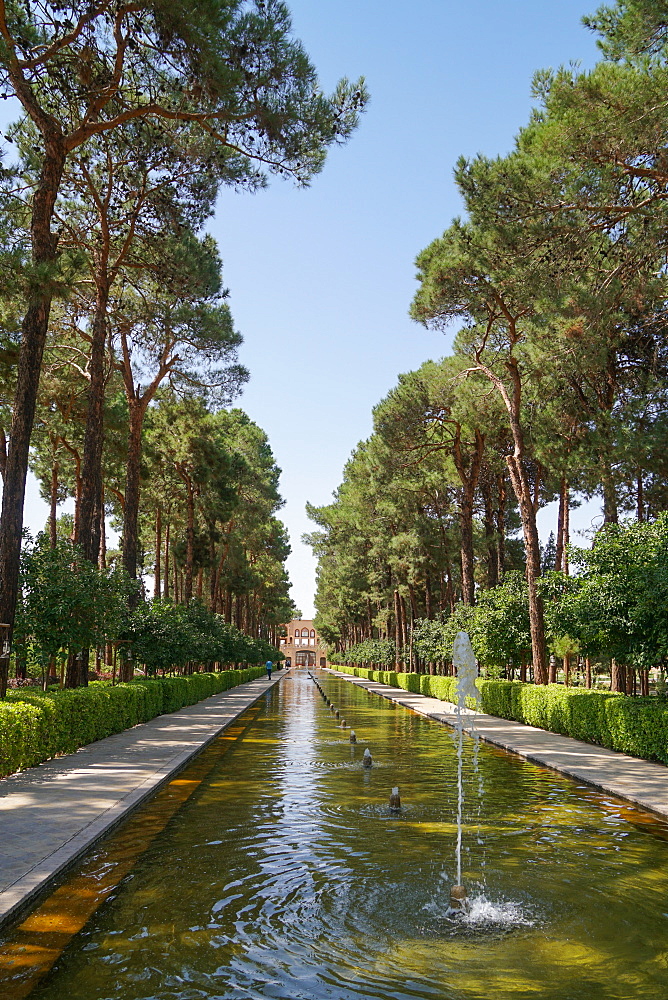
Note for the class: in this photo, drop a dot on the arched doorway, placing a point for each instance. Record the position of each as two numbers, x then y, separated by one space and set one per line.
305 658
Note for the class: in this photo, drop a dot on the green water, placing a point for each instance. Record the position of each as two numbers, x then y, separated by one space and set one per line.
285 875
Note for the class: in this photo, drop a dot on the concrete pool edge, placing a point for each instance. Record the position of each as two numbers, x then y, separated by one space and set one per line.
144 758
642 782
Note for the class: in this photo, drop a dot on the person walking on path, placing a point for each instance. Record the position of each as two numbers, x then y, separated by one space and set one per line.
269 665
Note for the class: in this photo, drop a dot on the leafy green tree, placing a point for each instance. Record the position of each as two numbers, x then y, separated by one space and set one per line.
466 274
185 337
67 605
228 68
617 605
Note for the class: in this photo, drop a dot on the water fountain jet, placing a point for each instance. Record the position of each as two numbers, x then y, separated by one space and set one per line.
367 759
395 800
353 737
464 660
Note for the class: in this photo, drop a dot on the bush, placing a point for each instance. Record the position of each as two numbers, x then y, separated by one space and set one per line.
36 726
409 682
636 726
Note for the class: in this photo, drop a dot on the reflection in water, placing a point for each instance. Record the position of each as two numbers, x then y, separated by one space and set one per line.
285 874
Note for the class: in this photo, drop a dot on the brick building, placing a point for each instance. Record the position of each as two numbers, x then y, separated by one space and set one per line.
302 646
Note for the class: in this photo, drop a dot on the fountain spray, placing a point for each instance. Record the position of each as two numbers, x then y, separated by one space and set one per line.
464 660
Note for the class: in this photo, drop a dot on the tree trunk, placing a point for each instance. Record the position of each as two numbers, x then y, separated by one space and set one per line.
427 597
588 672
127 670
617 676
501 527
131 506
190 548
72 674
397 629
466 529
559 554
33 337
53 508
610 509
158 554
630 680
91 475
469 481
533 569
492 557
566 531
166 584
103 535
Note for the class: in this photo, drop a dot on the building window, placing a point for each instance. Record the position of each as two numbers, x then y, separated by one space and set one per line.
304 631
313 632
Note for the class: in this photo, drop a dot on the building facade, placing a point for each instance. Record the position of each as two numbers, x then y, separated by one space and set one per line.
302 646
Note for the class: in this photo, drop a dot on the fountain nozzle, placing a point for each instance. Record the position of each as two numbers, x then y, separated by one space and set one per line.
343 723
367 759
353 737
458 898
395 800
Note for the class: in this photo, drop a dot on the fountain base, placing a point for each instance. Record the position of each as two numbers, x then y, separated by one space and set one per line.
458 898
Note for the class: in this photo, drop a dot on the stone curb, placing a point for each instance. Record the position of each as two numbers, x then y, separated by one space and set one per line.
641 782
35 881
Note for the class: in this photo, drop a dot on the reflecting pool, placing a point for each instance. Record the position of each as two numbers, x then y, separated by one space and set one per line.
272 867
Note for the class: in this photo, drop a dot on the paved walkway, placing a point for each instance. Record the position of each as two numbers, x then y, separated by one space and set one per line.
639 781
52 814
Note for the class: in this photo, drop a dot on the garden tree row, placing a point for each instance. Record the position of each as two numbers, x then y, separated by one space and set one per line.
558 381
615 608
427 504
133 115
67 605
206 509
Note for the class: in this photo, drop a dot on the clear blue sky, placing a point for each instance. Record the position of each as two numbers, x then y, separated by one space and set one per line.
321 279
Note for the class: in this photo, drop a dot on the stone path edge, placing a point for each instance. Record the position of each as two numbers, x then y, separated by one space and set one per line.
641 782
22 897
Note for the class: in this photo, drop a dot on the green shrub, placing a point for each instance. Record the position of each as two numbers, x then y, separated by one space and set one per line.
36 725
636 726
409 682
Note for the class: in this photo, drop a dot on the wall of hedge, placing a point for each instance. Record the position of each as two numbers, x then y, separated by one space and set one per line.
636 726
36 726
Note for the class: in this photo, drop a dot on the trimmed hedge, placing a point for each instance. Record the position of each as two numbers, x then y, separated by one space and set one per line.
636 726
36 726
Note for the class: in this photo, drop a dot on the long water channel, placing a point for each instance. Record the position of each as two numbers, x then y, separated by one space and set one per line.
272 867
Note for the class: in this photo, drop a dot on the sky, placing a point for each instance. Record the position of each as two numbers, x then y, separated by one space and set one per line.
321 279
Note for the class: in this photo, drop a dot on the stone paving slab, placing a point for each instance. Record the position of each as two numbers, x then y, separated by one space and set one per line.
52 814
640 781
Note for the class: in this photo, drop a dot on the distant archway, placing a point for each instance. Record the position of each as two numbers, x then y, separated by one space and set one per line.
305 658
